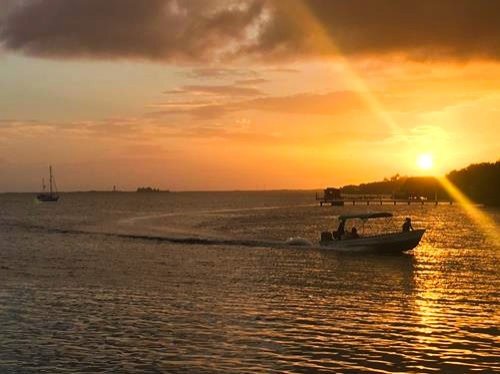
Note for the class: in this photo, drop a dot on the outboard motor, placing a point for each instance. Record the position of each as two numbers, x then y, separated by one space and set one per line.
326 236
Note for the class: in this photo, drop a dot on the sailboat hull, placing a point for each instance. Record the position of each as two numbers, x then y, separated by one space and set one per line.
47 197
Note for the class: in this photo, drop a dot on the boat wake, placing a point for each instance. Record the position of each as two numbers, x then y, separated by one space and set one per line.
298 242
174 239
148 217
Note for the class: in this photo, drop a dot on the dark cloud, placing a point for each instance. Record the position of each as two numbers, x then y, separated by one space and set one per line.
168 30
418 28
213 30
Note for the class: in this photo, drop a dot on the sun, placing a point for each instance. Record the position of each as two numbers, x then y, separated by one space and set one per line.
424 161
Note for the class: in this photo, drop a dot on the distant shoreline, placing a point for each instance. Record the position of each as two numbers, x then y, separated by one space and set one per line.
479 182
168 191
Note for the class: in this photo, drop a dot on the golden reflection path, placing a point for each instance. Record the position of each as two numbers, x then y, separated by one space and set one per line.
322 40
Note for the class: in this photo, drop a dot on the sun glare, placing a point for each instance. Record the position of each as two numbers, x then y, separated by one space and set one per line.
424 161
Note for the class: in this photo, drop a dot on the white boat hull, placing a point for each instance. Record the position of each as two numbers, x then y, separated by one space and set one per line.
386 243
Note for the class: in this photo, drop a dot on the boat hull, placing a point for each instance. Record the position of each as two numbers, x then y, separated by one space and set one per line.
387 243
47 198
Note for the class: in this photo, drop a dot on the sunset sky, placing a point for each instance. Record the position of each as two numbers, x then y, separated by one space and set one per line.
257 94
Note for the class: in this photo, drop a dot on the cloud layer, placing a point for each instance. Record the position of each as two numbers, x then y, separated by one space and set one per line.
155 29
214 30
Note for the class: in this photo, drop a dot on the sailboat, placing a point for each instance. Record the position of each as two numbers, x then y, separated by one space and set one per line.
52 194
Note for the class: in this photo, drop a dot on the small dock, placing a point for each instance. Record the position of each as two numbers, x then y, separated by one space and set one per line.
333 197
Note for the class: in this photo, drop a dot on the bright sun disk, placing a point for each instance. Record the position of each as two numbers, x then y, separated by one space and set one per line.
424 161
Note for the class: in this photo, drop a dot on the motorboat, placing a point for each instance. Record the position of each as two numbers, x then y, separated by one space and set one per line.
385 242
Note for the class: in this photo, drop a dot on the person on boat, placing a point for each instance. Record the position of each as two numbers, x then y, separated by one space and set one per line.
340 230
407 227
354 233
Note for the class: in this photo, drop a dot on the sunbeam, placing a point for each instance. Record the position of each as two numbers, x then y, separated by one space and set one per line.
323 42
481 219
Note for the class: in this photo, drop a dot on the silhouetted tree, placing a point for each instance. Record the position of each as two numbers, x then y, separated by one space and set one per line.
480 182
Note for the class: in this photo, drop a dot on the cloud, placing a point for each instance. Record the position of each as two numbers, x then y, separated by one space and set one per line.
194 31
166 30
307 103
251 82
200 110
218 90
420 29
134 134
327 104
26 127
212 106
218 73
283 70
124 128
6 8
230 133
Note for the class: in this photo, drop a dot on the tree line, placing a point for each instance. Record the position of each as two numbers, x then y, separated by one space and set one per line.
480 182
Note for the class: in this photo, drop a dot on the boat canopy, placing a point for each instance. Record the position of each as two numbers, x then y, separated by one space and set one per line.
365 216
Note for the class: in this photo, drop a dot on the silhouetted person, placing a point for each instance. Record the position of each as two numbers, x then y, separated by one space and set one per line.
407 227
354 233
340 230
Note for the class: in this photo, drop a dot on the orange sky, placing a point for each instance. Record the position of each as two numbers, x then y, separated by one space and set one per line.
243 94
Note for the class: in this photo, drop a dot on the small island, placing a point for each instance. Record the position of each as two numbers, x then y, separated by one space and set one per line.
150 189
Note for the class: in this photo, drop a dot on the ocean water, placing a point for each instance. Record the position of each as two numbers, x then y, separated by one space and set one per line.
203 283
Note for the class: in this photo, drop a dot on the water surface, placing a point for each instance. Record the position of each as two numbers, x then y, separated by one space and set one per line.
78 294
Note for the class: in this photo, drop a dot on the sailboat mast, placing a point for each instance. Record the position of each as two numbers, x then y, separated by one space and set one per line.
50 176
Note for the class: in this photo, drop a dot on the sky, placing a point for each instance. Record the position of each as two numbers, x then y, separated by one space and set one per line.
255 94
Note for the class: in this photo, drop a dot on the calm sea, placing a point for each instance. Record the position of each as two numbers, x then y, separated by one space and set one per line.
202 283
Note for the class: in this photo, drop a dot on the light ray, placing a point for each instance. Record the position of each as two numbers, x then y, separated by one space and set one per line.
482 220
322 41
